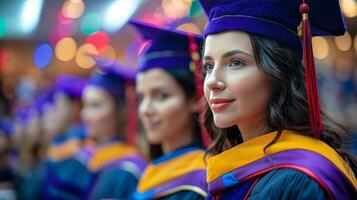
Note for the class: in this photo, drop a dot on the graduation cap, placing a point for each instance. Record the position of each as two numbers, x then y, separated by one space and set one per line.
118 80
70 85
289 22
111 77
172 49
167 48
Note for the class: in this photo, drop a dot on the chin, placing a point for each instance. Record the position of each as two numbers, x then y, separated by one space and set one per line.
222 122
153 139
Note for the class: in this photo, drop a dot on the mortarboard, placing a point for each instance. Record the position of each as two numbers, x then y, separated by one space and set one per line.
111 77
168 48
70 85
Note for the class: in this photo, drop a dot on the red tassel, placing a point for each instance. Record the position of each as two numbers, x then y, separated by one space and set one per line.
310 73
132 119
197 70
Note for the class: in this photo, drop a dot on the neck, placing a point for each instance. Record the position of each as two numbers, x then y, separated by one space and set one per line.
106 136
180 140
252 128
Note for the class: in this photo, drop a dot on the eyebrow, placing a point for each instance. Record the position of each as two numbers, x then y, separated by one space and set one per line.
228 54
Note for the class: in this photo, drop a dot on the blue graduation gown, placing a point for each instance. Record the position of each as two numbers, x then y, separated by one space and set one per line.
117 168
67 177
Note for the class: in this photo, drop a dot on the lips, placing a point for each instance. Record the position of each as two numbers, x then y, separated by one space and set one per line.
151 125
219 104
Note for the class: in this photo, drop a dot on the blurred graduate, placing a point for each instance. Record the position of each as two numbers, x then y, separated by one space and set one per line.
116 165
168 109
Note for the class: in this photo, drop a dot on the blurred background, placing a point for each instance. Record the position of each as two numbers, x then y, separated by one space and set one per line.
40 39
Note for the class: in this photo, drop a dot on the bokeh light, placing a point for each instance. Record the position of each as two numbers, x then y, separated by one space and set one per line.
64 20
83 56
90 23
118 13
349 8
3 27
43 55
66 49
73 9
344 42
320 47
190 27
176 9
196 9
30 15
98 39
60 31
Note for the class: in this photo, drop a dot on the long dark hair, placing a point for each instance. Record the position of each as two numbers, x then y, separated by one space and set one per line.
287 107
186 81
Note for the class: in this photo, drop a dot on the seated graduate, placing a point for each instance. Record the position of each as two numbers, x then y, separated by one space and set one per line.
62 164
168 109
116 165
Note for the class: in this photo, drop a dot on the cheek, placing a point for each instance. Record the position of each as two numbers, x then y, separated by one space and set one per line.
98 117
171 109
252 92
206 91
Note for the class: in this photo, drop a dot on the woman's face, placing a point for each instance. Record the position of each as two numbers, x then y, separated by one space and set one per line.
64 110
235 89
48 120
164 109
99 112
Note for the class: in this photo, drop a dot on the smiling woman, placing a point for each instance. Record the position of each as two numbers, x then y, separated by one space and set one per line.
264 118
169 112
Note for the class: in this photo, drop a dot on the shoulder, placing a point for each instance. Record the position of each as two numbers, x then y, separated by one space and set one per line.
287 183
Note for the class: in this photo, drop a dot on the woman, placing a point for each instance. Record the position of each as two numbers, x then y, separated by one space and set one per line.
62 163
168 110
116 165
264 145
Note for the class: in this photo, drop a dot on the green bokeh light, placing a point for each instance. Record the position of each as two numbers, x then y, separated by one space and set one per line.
3 27
90 23
196 9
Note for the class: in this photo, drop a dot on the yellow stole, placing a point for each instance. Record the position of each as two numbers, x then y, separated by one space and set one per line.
108 154
253 150
65 150
155 175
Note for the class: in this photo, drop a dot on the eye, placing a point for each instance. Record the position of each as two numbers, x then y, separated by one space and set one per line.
235 64
207 67
161 96
96 105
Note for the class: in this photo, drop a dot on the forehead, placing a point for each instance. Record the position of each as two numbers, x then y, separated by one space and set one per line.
220 43
92 92
155 79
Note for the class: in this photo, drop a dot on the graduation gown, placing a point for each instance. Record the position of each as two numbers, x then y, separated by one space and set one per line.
180 174
116 167
296 167
67 177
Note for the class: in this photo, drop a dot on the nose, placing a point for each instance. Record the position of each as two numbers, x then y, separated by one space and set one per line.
146 109
214 80
83 114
